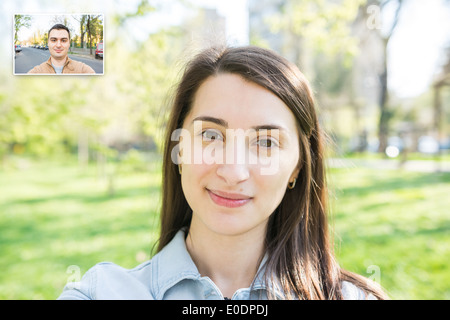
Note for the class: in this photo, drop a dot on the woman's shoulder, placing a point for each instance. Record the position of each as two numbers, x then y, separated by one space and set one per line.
352 292
107 280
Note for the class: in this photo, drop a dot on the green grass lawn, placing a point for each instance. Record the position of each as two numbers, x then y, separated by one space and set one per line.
53 216
396 224
392 226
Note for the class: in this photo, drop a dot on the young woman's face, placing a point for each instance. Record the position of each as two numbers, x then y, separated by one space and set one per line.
239 154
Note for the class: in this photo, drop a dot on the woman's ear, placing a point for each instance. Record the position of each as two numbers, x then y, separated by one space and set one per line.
294 174
293 178
297 170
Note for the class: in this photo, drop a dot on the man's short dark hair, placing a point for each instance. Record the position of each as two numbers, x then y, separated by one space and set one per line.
59 26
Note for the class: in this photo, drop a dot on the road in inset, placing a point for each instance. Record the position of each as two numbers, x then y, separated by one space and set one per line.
28 58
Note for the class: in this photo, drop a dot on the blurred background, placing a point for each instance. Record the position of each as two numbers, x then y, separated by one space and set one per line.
80 161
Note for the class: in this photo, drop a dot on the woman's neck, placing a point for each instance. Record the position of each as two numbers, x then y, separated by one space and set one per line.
231 262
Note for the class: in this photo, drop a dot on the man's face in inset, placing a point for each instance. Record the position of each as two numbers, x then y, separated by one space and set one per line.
58 43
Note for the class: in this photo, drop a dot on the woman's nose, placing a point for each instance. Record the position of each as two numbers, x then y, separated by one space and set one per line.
235 169
233 173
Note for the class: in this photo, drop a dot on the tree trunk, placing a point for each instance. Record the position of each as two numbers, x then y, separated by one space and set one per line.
89 33
383 124
437 106
385 113
82 32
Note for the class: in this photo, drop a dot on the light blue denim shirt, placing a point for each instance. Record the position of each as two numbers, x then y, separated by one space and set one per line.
170 274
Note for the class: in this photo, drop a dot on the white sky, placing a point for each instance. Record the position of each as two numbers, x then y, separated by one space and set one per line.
416 49
415 52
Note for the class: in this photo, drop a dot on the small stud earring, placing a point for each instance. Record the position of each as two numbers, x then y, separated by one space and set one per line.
291 185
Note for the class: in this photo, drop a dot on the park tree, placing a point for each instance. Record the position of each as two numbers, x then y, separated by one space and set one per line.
82 27
20 21
310 27
93 26
441 86
386 35
90 27
62 19
318 37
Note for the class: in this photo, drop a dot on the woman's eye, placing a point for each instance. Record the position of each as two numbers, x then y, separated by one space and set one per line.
211 135
267 143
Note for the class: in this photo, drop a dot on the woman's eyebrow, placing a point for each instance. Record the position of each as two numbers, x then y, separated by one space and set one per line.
224 123
268 127
218 121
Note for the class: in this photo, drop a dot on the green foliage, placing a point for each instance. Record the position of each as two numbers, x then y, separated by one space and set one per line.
45 116
323 24
318 37
144 7
32 119
333 74
148 74
20 21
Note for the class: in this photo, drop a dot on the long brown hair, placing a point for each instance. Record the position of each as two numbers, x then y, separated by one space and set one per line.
298 245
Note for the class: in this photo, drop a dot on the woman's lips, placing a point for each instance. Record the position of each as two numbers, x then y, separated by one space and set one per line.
229 200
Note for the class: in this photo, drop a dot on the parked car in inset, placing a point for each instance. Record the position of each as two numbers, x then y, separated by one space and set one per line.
99 50
18 48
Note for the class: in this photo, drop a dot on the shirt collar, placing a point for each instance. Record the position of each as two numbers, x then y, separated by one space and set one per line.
175 264
67 64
